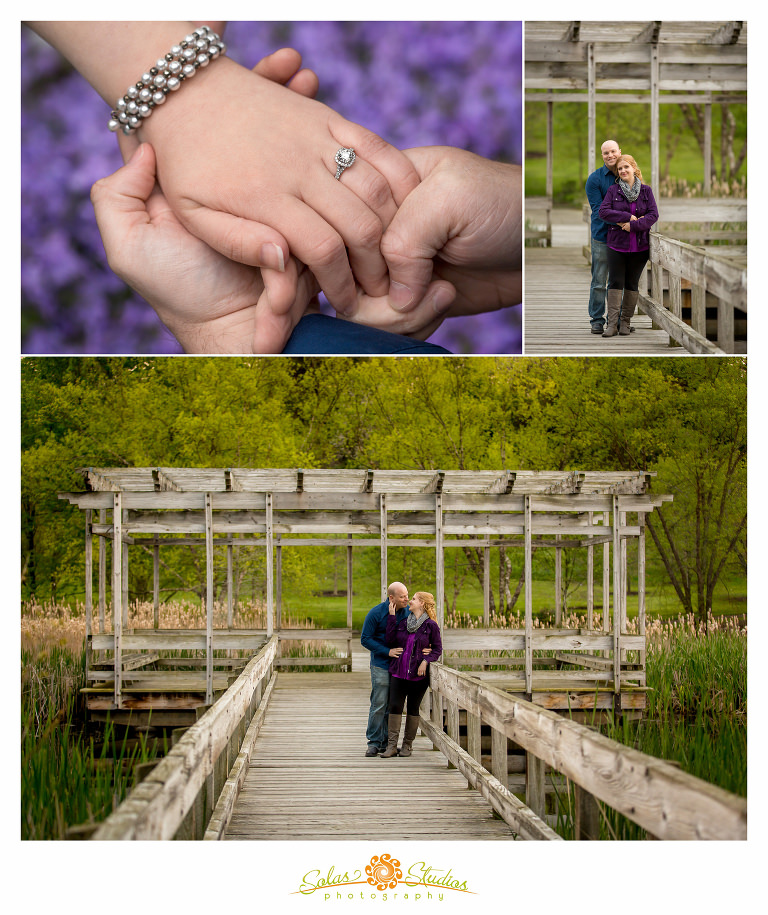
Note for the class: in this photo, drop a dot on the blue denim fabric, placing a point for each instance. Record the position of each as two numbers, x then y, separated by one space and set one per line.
378 726
599 282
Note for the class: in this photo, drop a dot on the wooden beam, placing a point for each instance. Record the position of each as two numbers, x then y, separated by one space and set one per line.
88 590
726 34
156 581
617 586
270 585
572 34
117 592
528 599
439 560
591 109
208 600
650 34
655 162
383 544
102 571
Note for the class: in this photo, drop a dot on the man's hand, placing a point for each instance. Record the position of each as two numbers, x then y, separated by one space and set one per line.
395 652
460 231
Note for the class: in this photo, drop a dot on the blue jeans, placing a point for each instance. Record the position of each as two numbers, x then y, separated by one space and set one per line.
378 726
599 282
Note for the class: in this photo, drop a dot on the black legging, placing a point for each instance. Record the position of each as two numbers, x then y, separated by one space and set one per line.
400 690
625 268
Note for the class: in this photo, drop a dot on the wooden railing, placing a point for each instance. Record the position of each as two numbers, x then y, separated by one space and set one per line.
660 798
189 790
538 210
714 280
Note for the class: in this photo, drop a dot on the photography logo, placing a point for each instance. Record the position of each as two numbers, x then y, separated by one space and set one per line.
383 878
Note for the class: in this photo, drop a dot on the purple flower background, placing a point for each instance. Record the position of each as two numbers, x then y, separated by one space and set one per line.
414 83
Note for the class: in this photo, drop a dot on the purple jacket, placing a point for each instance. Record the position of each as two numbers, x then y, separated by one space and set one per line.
616 208
427 636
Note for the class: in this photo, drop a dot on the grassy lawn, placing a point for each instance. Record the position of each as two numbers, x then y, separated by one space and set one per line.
661 601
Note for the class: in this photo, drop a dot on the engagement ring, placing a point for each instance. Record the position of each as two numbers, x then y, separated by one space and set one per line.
343 158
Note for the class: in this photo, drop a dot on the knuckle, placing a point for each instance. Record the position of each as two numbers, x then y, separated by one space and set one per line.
99 190
376 191
368 232
327 251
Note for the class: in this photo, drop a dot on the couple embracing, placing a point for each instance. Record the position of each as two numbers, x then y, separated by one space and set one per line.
403 638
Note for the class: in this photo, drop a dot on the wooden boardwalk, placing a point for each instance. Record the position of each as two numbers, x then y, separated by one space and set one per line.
309 778
555 311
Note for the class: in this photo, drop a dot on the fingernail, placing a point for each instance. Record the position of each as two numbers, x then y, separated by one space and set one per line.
271 255
400 296
442 298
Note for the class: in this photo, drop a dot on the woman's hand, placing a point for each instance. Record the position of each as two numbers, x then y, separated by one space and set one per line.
422 669
395 652
392 608
211 304
257 175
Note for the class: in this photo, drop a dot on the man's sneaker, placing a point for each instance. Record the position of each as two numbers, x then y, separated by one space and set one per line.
372 751
597 328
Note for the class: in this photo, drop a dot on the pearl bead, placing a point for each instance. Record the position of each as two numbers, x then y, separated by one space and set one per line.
134 122
121 103
131 107
132 92
201 44
188 54
146 77
159 80
190 38
113 125
202 30
175 67
174 83
203 59
176 50
189 70
122 117
145 95
158 98
161 63
145 111
127 130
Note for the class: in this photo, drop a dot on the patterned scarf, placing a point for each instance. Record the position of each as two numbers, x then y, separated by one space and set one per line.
413 622
631 193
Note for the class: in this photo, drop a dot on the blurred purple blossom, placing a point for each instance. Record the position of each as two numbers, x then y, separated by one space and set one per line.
413 83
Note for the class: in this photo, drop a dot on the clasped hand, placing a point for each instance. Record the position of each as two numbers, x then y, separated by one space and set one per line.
441 234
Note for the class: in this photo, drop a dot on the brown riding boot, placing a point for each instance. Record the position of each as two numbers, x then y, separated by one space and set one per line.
411 727
612 309
394 733
627 310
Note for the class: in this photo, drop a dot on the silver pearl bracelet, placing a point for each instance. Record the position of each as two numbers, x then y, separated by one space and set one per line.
197 50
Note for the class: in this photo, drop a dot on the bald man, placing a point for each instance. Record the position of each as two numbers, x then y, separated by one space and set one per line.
374 638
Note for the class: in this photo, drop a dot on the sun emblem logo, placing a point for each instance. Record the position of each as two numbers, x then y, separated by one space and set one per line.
383 872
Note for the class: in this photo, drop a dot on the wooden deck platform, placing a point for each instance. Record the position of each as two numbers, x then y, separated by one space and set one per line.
555 311
309 777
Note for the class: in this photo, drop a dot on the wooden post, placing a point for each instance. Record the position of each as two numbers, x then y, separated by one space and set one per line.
550 159
535 796
655 165
616 601
208 600
383 543
698 307
230 609
278 582
587 815
591 108
102 571
499 756
624 578
486 586
117 591
725 325
156 581
606 578
452 722
349 598
590 576
270 605
474 745
124 592
528 598
439 560
641 584
558 583
708 146
88 590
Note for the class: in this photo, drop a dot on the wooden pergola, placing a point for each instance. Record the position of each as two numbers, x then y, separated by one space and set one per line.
634 63
277 508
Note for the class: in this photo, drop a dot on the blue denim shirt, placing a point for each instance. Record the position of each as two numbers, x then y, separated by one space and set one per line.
374 634
597 187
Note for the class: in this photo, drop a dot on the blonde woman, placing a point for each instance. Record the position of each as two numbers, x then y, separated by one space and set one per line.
630 209
416 642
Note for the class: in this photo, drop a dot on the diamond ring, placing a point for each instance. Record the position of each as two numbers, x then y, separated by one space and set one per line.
343 158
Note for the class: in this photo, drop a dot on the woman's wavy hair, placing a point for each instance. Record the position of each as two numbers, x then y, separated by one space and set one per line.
429 603
635 166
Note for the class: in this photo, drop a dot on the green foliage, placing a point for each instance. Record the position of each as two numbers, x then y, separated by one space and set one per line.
681 418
